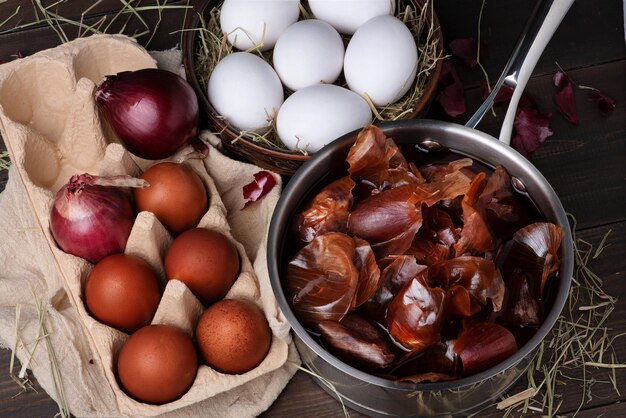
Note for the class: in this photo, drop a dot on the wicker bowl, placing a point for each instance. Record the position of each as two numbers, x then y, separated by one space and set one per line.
281 161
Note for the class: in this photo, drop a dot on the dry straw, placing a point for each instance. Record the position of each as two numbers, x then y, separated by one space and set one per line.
330 384
212 47
30 347
578 349
46 13
5 161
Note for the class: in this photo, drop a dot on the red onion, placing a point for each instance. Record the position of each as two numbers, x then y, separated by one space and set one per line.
154 112
90 218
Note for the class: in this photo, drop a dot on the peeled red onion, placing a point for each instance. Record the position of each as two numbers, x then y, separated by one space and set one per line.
91 217
154 112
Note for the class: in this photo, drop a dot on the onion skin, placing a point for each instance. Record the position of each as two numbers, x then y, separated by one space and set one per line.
90 221
482 345
322 279
356 339
154 112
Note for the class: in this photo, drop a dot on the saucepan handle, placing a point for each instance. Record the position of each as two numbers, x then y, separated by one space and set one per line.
542 24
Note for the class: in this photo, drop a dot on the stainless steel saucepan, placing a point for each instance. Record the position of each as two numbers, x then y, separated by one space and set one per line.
376 396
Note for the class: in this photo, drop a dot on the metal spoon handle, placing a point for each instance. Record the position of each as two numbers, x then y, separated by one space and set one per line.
542 24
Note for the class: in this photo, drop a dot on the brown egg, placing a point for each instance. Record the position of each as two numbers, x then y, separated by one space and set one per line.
206 261
157 364
122 292
233 336
176 196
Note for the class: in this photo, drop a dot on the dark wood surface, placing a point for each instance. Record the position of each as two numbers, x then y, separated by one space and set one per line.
586 164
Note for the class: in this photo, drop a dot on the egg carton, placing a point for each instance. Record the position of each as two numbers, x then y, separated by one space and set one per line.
52 129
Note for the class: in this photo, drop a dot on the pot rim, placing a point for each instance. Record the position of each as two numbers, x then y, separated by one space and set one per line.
485 141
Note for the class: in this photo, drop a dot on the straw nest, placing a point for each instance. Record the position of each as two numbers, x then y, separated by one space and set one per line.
212 46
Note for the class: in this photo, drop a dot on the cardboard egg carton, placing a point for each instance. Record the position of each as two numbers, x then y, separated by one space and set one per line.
52 129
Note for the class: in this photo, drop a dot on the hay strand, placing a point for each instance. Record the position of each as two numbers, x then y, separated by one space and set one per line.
326 381
48 15
61 400
579 341
5 161
42 335
20 379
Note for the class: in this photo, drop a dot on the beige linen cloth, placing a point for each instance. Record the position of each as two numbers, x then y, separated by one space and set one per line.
30 274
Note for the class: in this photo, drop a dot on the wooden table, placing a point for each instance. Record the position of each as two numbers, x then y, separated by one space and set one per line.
586 164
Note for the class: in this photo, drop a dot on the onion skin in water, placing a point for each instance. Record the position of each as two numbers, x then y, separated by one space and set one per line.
154 112
460 260
90 219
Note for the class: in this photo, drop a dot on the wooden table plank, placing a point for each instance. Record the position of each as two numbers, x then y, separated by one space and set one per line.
28 13
167 35
576 160
303 398
616 410
586 36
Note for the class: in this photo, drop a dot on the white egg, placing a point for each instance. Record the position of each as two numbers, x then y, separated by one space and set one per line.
315 116
381 60
348 15
308 52
249 23
246 91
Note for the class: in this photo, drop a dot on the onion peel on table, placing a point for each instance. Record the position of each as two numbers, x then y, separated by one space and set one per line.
532 128
503 96
466 49
564 97
451 96
262 184
606 104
